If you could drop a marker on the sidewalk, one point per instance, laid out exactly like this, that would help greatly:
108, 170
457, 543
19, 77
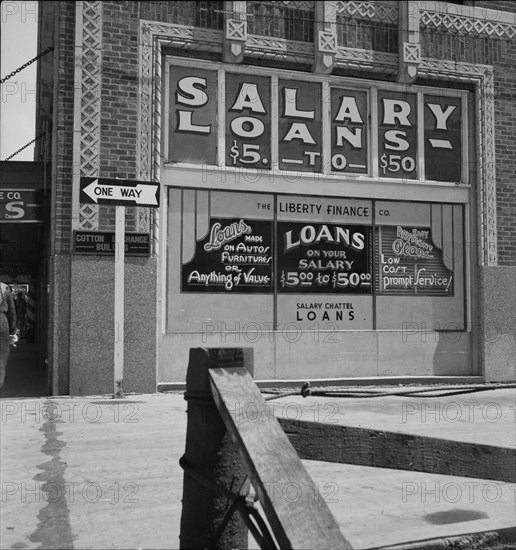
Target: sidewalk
101, 473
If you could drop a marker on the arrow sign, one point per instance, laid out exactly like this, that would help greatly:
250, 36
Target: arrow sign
119, 192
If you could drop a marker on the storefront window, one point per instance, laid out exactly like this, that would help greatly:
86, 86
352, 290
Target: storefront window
277, 259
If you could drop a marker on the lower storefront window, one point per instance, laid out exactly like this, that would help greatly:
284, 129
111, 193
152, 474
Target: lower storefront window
323, 263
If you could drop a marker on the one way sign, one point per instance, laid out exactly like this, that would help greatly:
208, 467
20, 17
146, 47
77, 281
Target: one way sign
119, 192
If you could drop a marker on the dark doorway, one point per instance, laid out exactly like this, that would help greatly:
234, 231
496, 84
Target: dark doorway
24, 251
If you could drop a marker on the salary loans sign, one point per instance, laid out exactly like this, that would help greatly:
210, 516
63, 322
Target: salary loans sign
119, 192
296, 134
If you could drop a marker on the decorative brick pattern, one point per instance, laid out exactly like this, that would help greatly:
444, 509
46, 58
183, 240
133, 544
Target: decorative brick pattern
279, 48
90, 89
374, 11
327, 42
466, 25
366, 60
236, 30
89, 217
91, 70
411, 53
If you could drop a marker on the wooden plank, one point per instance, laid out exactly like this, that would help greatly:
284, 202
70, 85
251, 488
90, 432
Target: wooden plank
296, 511
381, 449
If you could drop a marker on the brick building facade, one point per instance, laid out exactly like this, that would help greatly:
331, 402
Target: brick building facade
127, 78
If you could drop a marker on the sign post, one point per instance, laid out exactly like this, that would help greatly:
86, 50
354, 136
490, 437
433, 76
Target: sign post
120, 193
119, 301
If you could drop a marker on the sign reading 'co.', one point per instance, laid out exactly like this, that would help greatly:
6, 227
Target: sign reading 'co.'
274, 123
21, 205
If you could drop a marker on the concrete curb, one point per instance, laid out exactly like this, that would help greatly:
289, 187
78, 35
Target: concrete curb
493, 540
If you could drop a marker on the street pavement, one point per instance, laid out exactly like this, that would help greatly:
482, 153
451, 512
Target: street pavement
94, 472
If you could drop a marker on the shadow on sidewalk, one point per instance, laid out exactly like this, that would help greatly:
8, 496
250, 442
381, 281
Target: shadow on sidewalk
25, 377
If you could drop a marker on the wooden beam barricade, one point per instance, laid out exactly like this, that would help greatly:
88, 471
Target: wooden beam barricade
381, 449
233, 438
214, 471
301, 521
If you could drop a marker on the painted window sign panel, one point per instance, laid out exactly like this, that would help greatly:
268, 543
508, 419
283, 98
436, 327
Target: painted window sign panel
318, 258
234, 257
397, 135
411, 264
416, 249
324, 263
420, 266
192, 122
443, 138
228, 282
227, 243
300, 126
248, 121
349, 120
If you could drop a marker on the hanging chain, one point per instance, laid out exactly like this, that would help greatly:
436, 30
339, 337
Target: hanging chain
25, 146
10, 75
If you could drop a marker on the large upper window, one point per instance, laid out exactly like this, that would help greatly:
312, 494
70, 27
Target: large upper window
209, 15
289, 20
